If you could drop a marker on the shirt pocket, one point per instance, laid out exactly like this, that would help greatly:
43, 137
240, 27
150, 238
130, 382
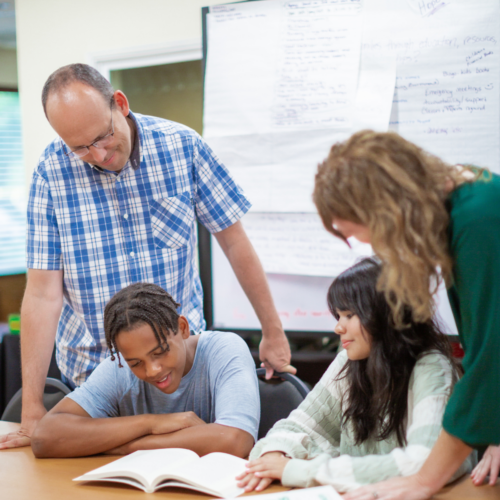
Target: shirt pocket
172, 220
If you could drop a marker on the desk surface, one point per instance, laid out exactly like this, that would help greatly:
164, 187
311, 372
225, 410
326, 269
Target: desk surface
23, 477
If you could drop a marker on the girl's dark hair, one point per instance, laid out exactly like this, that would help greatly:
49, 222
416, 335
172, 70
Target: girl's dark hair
140, 303
376, 399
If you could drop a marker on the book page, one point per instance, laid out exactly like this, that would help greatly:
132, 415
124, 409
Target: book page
216, 472
146, 464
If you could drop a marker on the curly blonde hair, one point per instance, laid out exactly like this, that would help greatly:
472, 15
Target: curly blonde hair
398, 191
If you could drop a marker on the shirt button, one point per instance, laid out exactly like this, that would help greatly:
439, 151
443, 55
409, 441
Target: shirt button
125, 216
132, 254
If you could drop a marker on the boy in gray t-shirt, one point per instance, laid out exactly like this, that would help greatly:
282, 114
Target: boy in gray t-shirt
167, 389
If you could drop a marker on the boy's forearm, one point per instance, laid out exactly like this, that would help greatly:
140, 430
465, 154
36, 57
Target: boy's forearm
64, 435
202, 439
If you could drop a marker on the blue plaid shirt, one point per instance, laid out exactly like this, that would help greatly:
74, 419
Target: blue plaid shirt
108, 230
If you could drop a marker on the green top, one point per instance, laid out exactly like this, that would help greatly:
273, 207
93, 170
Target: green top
473, 411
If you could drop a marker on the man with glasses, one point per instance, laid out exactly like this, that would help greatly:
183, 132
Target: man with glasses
115, 201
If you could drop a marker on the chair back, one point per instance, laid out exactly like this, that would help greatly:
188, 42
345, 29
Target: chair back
55, 390
278, 398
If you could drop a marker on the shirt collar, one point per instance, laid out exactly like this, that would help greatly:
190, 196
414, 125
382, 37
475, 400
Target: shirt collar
135, 156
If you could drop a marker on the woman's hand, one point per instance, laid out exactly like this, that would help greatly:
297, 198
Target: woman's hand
489, 465
261, 472
398, 488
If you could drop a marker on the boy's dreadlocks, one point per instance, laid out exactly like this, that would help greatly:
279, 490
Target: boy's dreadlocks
140, 303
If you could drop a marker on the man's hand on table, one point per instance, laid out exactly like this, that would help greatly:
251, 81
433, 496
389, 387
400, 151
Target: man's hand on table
22, 437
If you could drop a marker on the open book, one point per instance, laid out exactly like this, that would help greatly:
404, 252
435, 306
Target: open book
154, 469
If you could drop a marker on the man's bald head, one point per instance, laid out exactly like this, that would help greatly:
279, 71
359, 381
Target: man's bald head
83, 73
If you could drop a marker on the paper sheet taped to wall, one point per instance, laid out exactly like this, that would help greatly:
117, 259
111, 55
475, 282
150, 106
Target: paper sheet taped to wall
448, 74
299, 244
280, 89
300, 300
281, 76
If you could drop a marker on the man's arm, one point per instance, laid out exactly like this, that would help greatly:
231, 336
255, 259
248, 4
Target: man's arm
69, 431
40, 311
202, 439
274, 348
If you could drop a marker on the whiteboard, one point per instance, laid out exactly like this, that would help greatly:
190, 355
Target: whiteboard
428, 70
300, 301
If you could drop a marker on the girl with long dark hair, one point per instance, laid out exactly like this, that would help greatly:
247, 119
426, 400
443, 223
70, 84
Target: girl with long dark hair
377, 411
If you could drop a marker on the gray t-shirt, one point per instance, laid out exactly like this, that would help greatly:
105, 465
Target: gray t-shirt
220, 388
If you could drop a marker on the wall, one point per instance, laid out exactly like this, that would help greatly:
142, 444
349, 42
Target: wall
52, 33
171, 91
8, 68
11, 287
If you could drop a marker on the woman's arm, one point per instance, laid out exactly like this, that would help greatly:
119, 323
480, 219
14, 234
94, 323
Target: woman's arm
69, 431
445, 458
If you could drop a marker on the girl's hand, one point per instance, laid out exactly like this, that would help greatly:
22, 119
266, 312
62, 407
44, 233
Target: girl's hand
489, 465
261, 472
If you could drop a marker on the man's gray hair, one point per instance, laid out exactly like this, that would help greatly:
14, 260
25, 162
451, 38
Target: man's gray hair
78, 72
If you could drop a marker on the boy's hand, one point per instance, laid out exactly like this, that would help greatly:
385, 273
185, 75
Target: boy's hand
261, 472
171, 422
160, 424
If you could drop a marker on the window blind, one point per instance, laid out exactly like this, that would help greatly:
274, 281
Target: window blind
12, 187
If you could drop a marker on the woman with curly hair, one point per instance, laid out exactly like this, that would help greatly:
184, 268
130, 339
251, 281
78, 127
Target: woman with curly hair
427, 221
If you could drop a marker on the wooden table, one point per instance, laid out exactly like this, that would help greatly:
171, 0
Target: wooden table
24, 477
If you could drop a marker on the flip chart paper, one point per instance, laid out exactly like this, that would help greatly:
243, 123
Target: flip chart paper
268, 122
281, 66
276, 102
446, 99
448, 74
374, 96
299, 244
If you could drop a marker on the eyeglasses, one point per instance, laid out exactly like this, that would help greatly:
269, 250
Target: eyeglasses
100, 144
